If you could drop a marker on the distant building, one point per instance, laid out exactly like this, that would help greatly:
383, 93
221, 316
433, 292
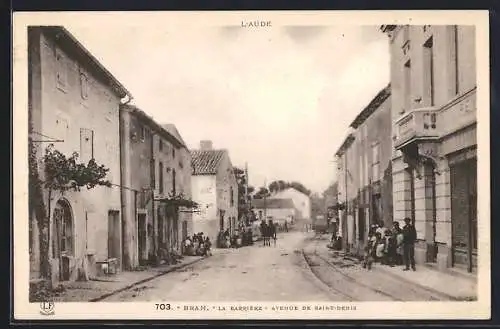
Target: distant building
433, 74
215, 189
364, 163
74, 101
279, 210
301, 201
154, 162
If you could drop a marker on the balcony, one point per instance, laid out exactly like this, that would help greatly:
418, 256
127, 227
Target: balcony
418, 124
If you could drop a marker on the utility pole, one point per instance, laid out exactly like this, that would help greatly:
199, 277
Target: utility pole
247, 201
265, 200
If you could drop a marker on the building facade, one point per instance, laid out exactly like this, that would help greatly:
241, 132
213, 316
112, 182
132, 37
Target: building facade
364, 171
278, 210
433, 74
301, 201
215, 189
74, 105
154, 167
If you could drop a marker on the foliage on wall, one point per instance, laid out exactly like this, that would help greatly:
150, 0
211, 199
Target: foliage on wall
61, 174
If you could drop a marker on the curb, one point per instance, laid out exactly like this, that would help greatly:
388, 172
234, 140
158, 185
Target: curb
160, 273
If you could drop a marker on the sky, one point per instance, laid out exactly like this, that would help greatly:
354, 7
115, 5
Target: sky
280, 99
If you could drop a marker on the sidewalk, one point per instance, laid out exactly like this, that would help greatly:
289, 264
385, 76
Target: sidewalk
455, 287
449, 285
96, 290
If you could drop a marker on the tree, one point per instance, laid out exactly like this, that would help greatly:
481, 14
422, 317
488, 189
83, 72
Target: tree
299, 187
243, 202
61, 174
261, 193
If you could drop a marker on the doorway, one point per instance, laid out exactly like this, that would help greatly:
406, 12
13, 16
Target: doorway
142, 238
463, 181
114, 235
62, 238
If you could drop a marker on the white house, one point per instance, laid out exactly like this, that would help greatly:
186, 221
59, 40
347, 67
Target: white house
215, 189
301, 201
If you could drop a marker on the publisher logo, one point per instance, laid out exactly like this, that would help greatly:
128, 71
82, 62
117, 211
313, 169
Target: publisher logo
47, 308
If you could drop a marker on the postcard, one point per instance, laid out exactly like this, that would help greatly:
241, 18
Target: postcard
251, 165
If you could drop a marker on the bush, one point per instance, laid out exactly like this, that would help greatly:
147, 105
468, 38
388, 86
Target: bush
41, 291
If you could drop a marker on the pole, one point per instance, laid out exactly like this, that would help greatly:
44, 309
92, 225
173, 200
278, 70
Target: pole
345, 207
265, 200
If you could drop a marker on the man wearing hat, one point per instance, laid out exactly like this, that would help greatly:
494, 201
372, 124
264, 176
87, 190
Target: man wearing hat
409, 238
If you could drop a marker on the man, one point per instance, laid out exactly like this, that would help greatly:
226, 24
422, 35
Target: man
263, 231
272, 232
409, 238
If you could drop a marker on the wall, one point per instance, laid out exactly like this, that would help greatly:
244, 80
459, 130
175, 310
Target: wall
225, 181
277, 214
204, 193
301, 201
64, 111
454, 94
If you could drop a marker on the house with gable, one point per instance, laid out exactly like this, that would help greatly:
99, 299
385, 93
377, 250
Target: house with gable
301, 201
215, 189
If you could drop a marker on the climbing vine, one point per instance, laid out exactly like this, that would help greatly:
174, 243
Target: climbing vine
61, 174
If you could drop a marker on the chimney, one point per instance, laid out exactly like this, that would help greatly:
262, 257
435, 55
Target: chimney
206, 145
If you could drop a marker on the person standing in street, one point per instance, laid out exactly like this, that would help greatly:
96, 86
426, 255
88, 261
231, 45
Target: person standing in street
409, 238
263, 231
272, 232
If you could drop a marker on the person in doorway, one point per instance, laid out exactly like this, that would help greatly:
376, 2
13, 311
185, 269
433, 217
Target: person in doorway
409, 238
286, 226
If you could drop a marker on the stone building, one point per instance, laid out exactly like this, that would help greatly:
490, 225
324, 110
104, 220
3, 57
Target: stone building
155, 165
364, 171
74, 104
433, 77
215, 189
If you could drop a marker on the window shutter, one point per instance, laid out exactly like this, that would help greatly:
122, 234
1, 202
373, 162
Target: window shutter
92, 224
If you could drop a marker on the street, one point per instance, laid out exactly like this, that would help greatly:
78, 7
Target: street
299, 268
249, 273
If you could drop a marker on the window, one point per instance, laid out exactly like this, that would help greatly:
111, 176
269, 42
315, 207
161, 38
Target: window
173, 180
84, 86
173, 152
429, 72
143, 131
407, 87
161, 177
61, 71
231, 196
360, 166
86, 145
376, 162
160, 145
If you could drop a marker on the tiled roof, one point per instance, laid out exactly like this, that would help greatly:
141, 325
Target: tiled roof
273, 203
172, 129
206, 162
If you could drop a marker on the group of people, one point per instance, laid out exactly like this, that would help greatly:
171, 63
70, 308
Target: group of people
197, 245
391, 247
268, 232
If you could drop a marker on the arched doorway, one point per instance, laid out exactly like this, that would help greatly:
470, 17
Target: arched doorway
62, 238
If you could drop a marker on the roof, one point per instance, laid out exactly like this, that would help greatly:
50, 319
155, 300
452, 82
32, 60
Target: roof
372, 106
143, 116
206, 162
345, 144
172, 129
65, 38
272, 203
